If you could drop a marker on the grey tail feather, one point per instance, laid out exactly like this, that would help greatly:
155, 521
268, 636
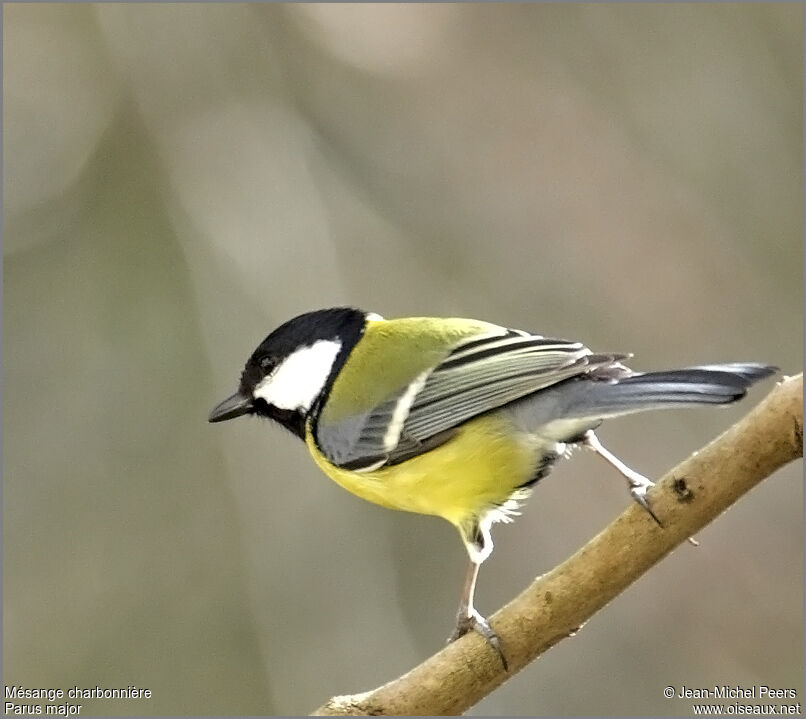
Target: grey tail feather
705, 384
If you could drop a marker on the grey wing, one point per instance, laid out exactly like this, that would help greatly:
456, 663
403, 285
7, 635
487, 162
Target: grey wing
479, 375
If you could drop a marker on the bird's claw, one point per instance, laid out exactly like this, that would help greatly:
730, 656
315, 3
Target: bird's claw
475, 622
638, 491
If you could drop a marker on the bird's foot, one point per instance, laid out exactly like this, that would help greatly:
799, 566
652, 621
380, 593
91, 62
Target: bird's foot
473, 621
639, 486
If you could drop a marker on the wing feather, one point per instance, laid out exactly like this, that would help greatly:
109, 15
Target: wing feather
477, 375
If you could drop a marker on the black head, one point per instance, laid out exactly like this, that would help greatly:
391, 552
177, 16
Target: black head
294, 367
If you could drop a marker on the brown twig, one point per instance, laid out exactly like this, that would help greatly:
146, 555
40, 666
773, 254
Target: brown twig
555, 605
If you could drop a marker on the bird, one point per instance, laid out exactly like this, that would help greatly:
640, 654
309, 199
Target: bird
452, 417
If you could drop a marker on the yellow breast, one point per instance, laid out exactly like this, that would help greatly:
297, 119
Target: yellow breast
476, 469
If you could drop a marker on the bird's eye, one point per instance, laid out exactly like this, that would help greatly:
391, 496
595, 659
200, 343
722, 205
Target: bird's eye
266, 364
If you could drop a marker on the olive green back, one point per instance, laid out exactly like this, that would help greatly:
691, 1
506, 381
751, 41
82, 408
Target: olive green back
389, 356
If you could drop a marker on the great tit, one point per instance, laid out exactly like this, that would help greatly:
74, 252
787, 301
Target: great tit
454, 417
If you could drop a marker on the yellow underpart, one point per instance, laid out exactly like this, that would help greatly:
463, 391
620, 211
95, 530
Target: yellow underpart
475, 470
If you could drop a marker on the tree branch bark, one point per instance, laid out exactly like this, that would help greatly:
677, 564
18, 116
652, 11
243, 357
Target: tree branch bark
556, 604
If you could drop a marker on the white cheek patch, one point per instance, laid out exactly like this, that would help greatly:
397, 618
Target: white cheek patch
297, 382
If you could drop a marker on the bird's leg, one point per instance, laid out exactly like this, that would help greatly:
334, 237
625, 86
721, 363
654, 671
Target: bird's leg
466, 616
468, 619
639, 485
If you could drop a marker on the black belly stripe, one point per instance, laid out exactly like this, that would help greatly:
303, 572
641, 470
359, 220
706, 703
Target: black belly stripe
544, 466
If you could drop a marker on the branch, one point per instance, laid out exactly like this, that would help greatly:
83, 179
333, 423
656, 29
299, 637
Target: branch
557, 604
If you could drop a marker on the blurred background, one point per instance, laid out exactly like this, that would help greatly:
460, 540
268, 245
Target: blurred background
179, 179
